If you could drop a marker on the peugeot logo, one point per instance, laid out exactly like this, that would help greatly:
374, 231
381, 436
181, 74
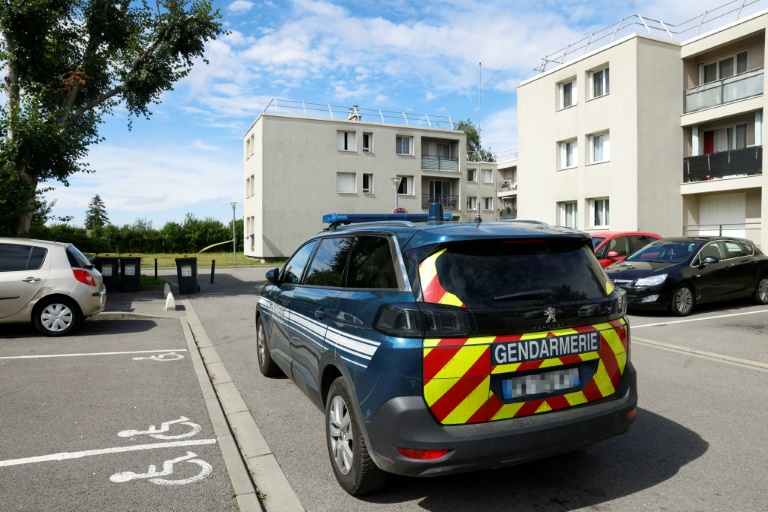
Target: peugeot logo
550, 312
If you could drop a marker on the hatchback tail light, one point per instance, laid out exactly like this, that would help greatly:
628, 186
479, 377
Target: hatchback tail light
84, 276
424, 320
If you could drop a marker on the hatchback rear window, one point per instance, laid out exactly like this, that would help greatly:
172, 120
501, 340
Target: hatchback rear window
77, 259
500, 274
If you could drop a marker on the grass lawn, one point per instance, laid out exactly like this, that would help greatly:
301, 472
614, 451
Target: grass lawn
223, 259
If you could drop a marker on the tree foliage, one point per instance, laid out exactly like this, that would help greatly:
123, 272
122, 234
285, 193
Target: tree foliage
475, 152
67, 64
96, 216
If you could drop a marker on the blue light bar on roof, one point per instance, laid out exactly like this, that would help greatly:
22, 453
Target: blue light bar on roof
354, 218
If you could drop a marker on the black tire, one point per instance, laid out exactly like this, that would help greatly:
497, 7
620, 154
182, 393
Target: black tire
761, 290
682, 301
56, 316
352, 464
267, 366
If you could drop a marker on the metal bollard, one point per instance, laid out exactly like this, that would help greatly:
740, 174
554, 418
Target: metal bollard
213, 269
155, 269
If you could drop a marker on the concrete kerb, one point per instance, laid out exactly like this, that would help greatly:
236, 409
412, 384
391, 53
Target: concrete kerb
273, 486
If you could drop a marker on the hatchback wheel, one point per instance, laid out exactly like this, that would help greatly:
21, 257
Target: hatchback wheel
267, 365
761, 291
682, 300
56, 316
354, 469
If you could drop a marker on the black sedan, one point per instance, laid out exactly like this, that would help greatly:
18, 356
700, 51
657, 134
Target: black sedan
677, 273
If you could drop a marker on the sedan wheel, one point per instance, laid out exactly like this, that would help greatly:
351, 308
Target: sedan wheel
761, 291
682, 300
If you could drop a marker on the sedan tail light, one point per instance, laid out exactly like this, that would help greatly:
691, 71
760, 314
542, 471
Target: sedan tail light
84, 276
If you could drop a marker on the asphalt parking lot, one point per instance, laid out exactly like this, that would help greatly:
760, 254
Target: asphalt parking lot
699, 442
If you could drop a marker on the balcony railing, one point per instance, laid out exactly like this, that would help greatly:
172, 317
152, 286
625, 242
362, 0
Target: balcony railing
733, 88
723, 164
507, 214
507, 186
449, 202
439, 163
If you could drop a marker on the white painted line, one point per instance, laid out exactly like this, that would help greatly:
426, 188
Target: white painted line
104, 451
633, 326
712, 356
96, 354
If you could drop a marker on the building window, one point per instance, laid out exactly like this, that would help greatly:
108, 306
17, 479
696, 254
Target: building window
599, 213
472, 175
567, 93
248, 149
569, 154
404, 145
487, 203
345, 182
567, 214
600, 83
247, 187
487, 176
599, 147
367, 142
444, 150
471, 203
345, 141
253, 143
723, 68
253, 184
724, 139
368, 183
406, 186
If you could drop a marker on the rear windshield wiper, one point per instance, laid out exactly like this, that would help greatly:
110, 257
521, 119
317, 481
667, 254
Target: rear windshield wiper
533, 294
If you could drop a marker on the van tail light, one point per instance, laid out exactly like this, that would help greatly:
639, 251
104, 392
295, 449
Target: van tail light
422, 320
84, 276
422, 454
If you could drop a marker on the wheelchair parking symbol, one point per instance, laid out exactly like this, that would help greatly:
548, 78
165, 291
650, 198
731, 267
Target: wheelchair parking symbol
160, 433
170, 356
155, 476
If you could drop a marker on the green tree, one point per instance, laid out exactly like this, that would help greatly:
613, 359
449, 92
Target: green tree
69, 63
474, 149
96, 216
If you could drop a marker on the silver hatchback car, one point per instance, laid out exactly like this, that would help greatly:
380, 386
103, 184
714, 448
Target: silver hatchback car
51, 284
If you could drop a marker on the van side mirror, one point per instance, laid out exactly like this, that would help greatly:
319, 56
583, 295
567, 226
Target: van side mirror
273, 275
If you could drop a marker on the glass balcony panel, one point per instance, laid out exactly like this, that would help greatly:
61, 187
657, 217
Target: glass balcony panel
719, 92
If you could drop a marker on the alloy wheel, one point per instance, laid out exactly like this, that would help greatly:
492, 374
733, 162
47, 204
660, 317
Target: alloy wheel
762, 290
683, 300
341, 435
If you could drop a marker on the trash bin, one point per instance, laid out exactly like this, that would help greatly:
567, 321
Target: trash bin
107, 265
130, 273
186, 272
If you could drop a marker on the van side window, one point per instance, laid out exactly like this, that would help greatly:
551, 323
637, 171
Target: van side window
327, 267
295, 267
371, 264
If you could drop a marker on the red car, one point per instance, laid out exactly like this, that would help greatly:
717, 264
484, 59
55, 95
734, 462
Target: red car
613, 246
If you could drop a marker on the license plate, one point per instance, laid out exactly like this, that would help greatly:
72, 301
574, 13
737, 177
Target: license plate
540, 383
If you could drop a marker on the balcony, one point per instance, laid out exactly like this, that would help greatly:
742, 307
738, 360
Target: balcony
727, 90
505, 213
439, 163
723, 164
508, 186
449, 202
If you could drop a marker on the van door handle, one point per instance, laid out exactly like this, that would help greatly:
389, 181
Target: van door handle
31, 279
320, 314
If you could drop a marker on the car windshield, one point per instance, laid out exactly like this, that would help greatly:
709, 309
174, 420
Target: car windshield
596, 241
500, 274
666, 252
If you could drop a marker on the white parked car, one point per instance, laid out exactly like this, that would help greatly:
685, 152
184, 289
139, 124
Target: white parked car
50, 284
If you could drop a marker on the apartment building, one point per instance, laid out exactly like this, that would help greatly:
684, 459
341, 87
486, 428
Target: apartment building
304, 160
647, 133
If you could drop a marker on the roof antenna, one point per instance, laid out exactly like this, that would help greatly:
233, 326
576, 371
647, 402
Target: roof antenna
479, 219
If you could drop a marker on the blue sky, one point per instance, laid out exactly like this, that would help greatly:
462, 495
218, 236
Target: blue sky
418, 57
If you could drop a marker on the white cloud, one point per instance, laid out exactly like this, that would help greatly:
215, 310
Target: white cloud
240, 6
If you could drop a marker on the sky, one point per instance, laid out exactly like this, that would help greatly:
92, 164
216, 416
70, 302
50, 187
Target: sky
416, 57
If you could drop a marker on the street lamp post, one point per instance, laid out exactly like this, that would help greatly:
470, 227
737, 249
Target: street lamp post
396, 182
234, 237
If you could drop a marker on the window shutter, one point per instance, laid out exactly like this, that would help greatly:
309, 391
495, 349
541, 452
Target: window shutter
606, 146
340, 141
345, 182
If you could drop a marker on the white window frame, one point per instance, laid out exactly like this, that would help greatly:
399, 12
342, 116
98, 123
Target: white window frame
344, 180
369, 147
406, 186
399, 139
472, 175
253, 184
486, 175
602, 74
253, 144
248, 186
345, 140
601, 206
563, 147
487, 203
599, 141
471, 203
562, 86
369, 189
734, 58
248, 148
563, 214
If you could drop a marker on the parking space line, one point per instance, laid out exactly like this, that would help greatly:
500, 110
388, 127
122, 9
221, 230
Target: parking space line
698, 319
103, 451
712, 356
96, 354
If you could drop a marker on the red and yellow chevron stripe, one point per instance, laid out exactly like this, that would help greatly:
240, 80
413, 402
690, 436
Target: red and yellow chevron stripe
457, 374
